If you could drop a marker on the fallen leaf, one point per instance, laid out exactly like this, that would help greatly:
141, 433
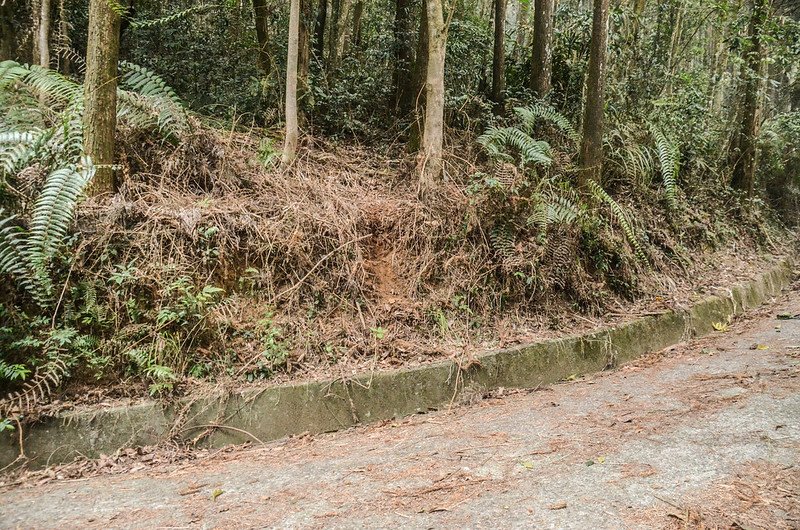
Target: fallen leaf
722, 327
216, 493
527, 464
601, 460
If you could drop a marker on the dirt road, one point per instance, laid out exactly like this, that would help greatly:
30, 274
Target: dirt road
706, 433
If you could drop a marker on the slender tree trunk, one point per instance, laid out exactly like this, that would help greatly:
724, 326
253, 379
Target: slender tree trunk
520, 38
401, 76
358, 14
8, 34
64, 41
418, 77
304, 47
342, 20
542, 62
499, 60
319, 30
100, 93
261, 17
292, 127
43, 36
744, 153
591, 155
430, 168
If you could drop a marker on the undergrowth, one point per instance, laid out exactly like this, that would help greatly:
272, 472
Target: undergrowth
211, 263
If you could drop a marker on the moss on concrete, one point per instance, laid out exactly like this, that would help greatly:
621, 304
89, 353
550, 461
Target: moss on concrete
271, 413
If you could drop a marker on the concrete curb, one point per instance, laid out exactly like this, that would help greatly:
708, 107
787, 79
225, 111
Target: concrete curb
276, 412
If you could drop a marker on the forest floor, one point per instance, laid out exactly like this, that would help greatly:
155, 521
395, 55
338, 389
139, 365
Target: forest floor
705, 434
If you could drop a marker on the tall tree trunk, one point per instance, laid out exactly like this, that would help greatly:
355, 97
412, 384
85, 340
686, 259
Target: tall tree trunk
430, 166
292, 127
304, 47
591, 155
8, 34
418, 77
358, 14
43, 35
261, 17
744, 152
520, 38
401, 76
319, 30
342, 19
100, 93
542, 62
499, 59
64, 42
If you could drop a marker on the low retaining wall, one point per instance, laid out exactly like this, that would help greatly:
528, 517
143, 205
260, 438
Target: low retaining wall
271, 413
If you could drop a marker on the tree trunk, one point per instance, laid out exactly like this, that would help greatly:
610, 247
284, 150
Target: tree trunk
499, 60
418, 76
64, 42
43, 36
261, 17
401, 76
542, 62
304, 46
430, 165
319, 30
8, 34
342, 18
100, 93
591, 155
744, 146
520, 37
358, 14
292, 128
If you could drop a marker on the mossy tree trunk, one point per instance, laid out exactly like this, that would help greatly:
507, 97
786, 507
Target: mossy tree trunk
744, 152
292, 127
100, 93
499, 57
261, 18
430, 162
542, 58
401, 75
591, 154
418, 77
8, 34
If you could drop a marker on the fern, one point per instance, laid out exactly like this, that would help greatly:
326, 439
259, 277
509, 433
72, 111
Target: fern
530, 151
529, 115
139, 24
46, 379
43, 82
619, 214
669, 158
26, 254
151, 96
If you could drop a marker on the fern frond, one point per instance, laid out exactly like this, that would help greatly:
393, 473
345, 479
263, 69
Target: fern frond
42, 81
619, 214
561, 210
669, 158
154, 101
529, 115
54, 209
139, 24
530, 151
44, 382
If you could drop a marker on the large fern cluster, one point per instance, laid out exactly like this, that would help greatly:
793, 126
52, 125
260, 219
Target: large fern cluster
42, 134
